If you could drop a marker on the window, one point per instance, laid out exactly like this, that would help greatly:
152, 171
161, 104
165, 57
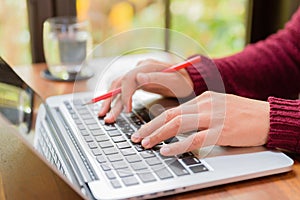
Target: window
218, 25
14, 32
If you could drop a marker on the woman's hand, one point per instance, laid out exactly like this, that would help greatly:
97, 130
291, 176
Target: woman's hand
146, 76
216, 119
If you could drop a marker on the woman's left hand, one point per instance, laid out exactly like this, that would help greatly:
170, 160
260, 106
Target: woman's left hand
215, 118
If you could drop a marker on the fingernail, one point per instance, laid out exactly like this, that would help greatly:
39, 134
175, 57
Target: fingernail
107, 117
142, 78
145, 142
165, 150
135, 137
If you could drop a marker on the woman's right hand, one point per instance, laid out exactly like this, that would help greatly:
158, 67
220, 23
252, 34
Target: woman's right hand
147, 76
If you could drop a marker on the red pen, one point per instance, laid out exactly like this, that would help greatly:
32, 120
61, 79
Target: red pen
170, 69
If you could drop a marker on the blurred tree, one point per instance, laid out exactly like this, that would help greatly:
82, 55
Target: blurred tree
14, 32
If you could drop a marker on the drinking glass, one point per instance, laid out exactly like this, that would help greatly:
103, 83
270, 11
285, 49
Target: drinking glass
67, 42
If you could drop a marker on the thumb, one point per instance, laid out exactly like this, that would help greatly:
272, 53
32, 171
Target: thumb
162, 83
160, 78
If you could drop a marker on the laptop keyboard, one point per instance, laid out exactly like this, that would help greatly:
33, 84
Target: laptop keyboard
126, 163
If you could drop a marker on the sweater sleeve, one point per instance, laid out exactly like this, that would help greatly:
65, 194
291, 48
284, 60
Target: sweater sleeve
266, 68
284, 124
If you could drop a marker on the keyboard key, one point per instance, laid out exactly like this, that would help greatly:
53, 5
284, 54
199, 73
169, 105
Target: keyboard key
143, 112
125, 172
77, 121
115, 183
105, 144
129, 181
97, 132
90, 121
105, 167
101, 120
86, 116
74, 116
80, 126
101, 159
93, 126
120, 165
110, 174
157, 147
146, 177
128, 151
92, 145
123, 145
177, 167
138, 165
96, 151
101, 138
115, 157
165, 157
83, 111
109, 127
121, 121
153, 161
111, 150
114, 133
119, 139
128, 135
198, 168
88, 138
127, 129
138, 124
133, 158
84, 132
171, 140
147, 154
139, 147
190, 161
67, 104
162, 172
186, 155
133, 117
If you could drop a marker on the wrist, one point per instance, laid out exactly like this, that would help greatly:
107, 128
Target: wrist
284, 124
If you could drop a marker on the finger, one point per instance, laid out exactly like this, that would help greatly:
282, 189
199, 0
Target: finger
154, 124
114, 112
105, 107
129, 82
166, 117
180, 124
106, 104
199, 139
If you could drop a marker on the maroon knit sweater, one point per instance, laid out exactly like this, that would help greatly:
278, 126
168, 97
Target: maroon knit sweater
267, 70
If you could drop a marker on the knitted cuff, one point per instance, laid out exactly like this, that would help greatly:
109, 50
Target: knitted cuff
205, 76
284, 124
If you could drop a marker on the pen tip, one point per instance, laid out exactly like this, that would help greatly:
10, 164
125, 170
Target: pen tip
87, 103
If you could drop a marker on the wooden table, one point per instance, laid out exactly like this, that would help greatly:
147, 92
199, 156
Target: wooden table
281, 186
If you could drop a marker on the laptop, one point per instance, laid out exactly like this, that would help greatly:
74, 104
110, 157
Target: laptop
101, 162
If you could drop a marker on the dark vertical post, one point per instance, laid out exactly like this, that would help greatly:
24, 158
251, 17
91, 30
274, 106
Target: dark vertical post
167, 24
38, 12
267, 16
65, 7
